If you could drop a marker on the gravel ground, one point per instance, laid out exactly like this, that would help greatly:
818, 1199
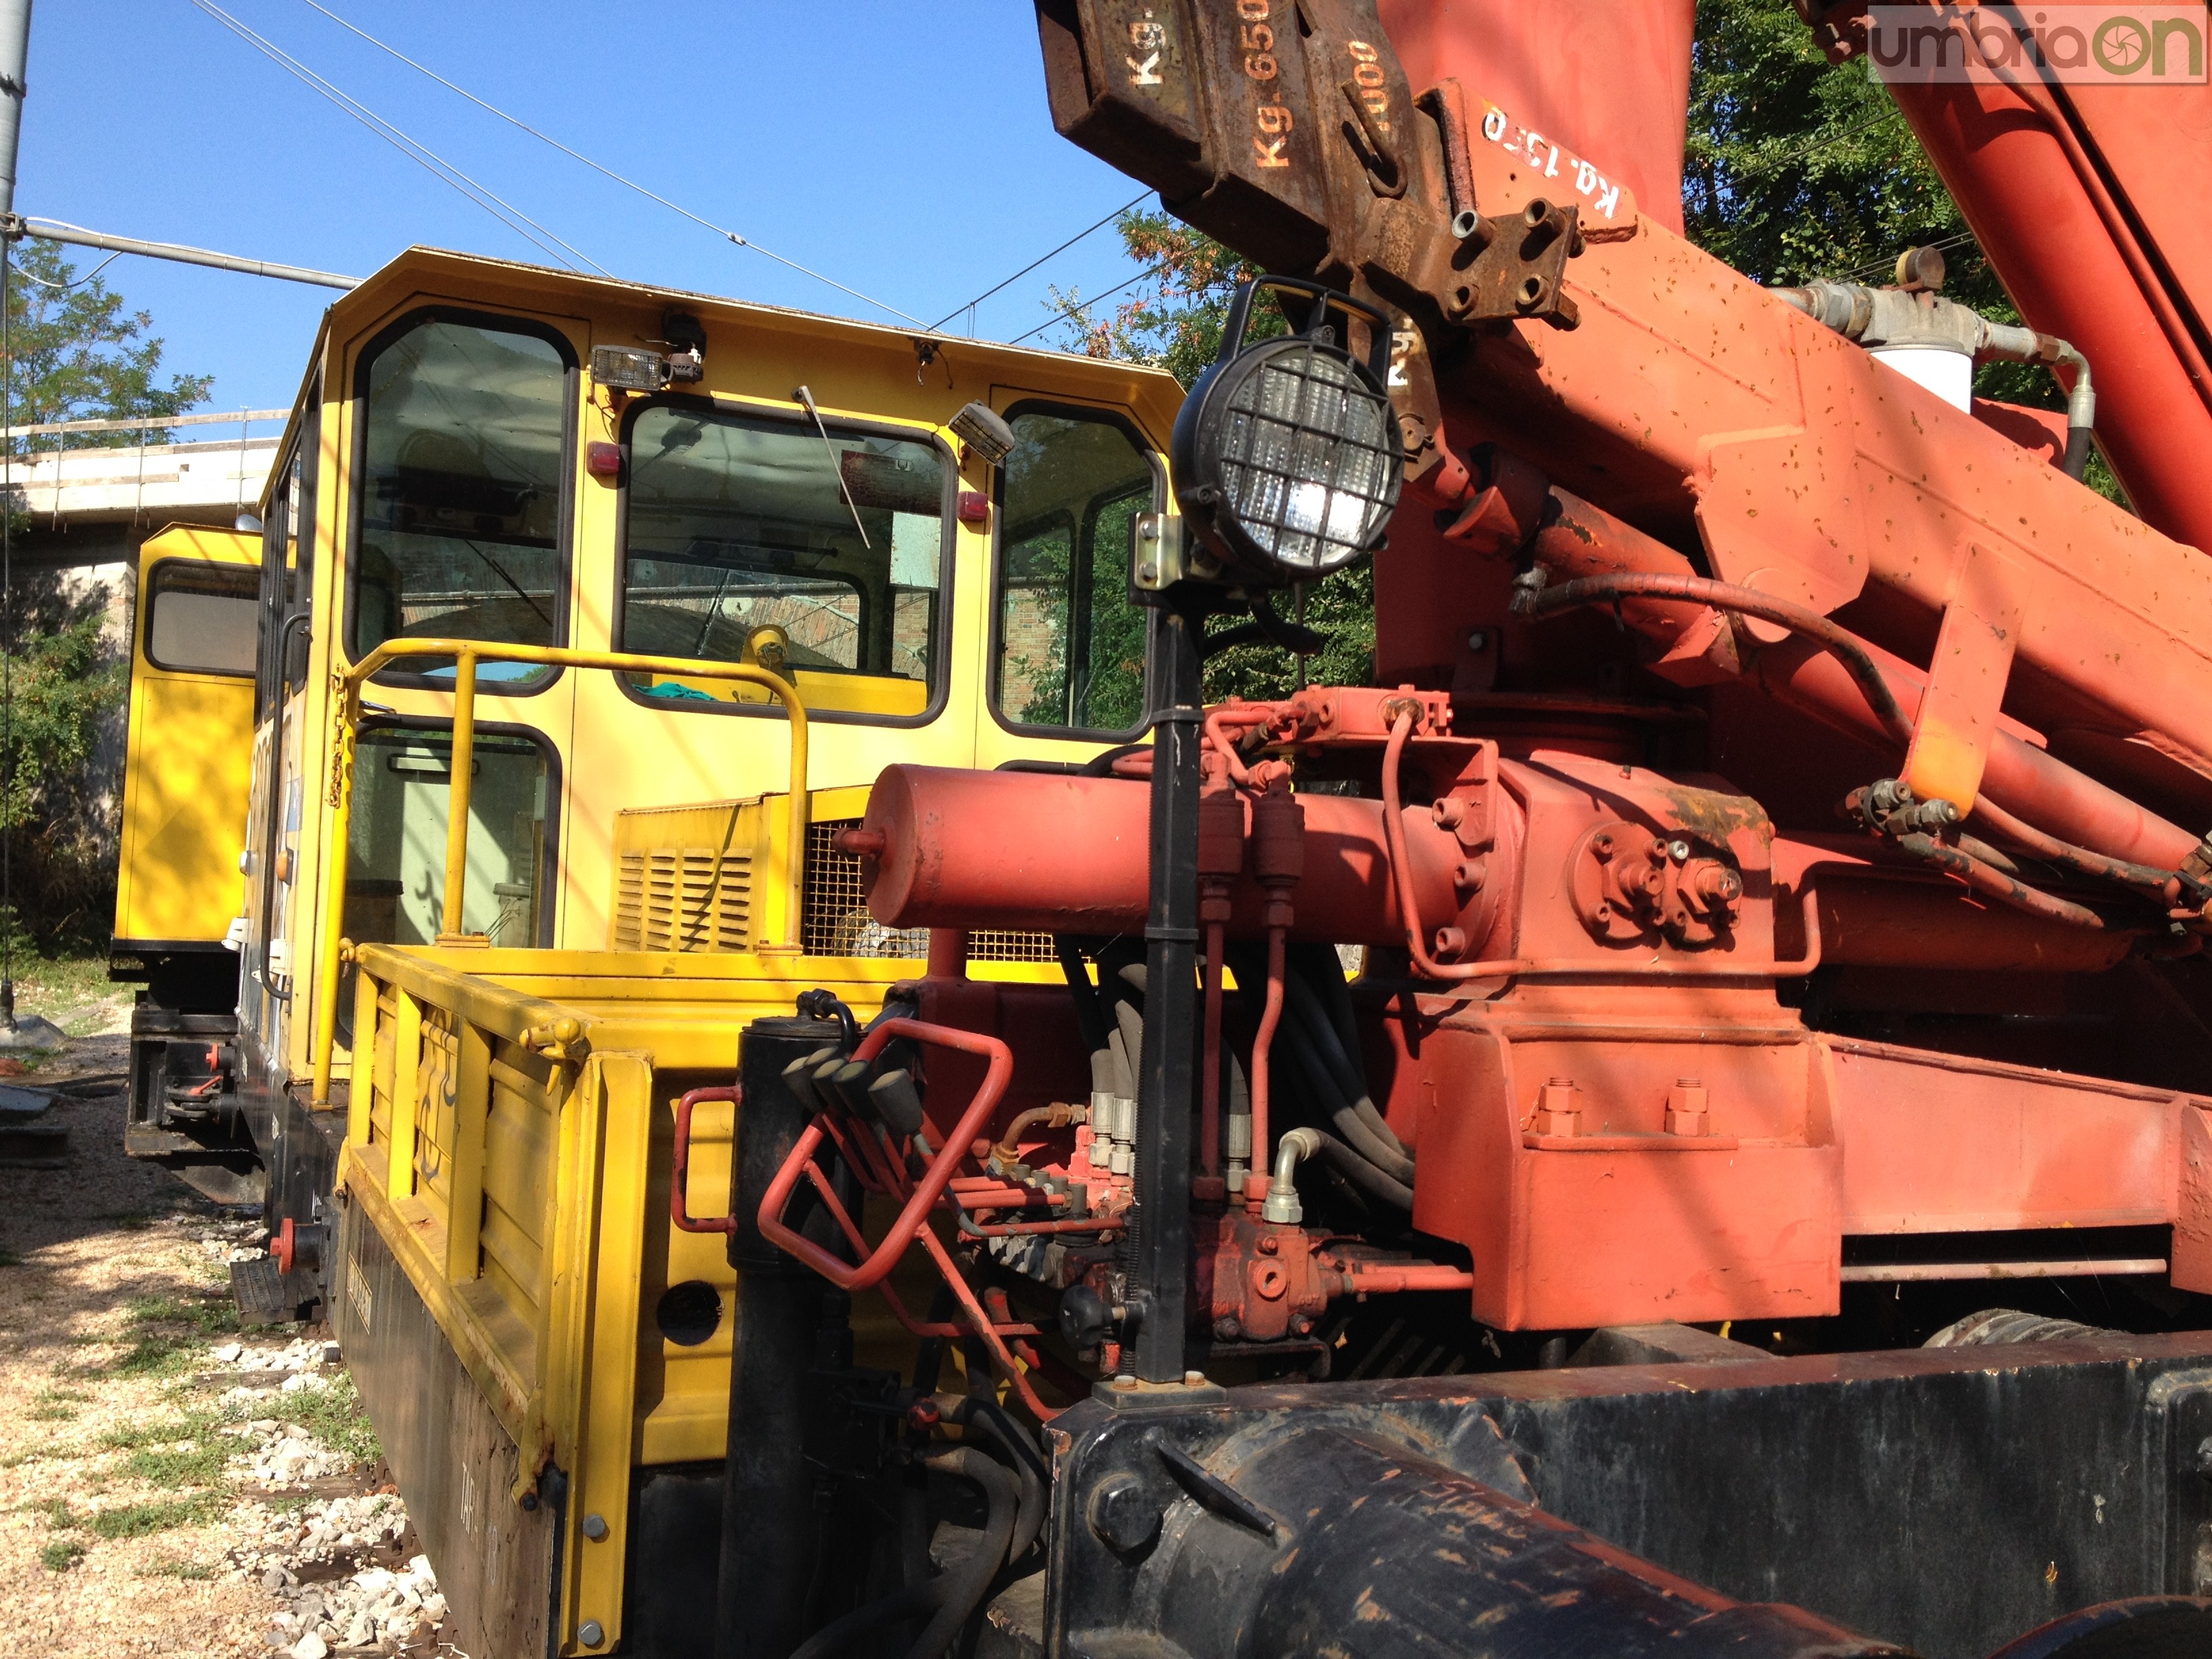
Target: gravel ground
169, 1484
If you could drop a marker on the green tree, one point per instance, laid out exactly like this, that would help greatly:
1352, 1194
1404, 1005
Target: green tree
1797, 169
1175, 322
79, 353
82, 355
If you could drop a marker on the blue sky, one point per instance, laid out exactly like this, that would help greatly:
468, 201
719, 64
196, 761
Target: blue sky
904, 149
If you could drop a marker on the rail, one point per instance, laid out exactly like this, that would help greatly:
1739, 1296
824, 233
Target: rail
466, 654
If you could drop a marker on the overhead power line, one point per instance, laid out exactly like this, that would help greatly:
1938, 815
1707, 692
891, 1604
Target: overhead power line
1067, 311
722, 231
1033, 264
506, 212
677, 207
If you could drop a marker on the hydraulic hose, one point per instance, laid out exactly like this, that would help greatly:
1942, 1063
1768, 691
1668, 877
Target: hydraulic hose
1995, 884
1363, 1174
1322, 1032
2080, 859
1029, 1473
952, 1598
1838, 642
1357, 1136
966, 1584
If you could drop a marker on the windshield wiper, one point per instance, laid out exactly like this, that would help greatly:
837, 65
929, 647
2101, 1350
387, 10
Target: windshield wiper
806, 401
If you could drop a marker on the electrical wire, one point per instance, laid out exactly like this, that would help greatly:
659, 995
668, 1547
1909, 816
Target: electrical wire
64, 288
722, 231
1032, 264
678, 209
505, 211
1766, 163
1067, 309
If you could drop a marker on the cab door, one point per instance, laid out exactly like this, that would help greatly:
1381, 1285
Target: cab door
1067, 654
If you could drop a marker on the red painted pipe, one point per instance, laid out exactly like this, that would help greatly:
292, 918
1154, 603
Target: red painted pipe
1048, 853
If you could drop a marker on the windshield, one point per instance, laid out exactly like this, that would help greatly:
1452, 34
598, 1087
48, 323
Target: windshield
759, 541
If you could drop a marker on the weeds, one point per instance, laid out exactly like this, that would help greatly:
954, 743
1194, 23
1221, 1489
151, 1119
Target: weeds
196, 1463
152, 1356
194, 1569
10, 1259
131, 1436
60, 1555
333, 1416
142, 1520
56, 1512
52, 1411
212, 1315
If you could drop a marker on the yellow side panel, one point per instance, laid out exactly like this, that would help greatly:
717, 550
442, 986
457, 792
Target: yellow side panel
186, 776
184, 820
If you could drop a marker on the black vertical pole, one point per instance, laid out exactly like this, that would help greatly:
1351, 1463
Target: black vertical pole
1159, 1260
768, 1548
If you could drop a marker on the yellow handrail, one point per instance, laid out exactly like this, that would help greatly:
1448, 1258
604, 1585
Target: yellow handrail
466, 653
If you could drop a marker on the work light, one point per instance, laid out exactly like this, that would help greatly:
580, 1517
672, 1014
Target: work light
1286, 453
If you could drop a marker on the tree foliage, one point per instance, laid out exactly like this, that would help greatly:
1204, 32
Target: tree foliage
82, 355
1175, 321
79, 353
1796, 168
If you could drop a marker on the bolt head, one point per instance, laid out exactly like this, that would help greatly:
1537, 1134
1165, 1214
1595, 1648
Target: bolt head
1269, 1244
595, 1526
1226, 1329
1479, 641
1678, 850
1148, 573
590, 1633
1122, 1516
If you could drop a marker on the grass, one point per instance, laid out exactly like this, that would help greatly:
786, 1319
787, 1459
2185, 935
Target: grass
333, 1416
212, 1314
154, 1356
54, 985
60, 1555
194, 1569
10, 1259
199, 1465
143, 1520
174, 1452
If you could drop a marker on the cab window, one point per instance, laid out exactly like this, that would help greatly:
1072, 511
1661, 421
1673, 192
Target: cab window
1069, 645
396, 873
463, 477
203, 619
756, 540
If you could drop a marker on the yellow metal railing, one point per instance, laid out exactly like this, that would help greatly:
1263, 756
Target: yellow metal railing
466, 654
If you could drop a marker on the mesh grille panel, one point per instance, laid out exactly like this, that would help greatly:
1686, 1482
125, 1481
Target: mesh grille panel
836, 922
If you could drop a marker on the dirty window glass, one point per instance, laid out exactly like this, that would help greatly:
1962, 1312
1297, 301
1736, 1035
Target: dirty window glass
461, 488
1071, 645
201, 620
749, 540
396, 875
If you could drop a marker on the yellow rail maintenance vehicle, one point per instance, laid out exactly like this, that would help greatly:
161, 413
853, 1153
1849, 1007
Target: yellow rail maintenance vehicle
581, 617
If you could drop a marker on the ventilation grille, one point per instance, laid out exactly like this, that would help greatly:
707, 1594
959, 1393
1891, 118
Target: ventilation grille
683, 899
836, 922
